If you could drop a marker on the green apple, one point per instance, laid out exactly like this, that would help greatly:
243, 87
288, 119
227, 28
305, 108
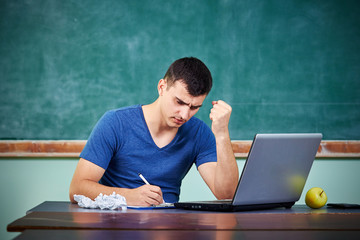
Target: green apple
316, 198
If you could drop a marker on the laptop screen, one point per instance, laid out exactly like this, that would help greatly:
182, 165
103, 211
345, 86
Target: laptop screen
276, 168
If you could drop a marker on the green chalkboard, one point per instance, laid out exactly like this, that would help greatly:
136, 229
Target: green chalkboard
284, 66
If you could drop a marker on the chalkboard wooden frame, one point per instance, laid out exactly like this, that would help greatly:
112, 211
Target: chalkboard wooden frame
72, 149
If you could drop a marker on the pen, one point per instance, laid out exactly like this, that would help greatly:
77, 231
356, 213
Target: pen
146, 182
142, 177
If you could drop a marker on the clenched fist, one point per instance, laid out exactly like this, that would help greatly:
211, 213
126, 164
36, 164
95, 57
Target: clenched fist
220, 116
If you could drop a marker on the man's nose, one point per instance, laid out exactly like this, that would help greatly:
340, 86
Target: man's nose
185, 112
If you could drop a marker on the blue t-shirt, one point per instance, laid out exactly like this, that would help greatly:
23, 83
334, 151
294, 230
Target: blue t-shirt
121, 144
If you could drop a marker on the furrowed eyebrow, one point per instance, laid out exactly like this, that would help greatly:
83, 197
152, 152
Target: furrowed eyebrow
184, 103
181, 101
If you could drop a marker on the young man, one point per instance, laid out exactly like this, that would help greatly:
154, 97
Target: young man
161, 141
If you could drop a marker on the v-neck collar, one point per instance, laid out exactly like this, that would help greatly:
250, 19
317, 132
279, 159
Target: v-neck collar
149, 134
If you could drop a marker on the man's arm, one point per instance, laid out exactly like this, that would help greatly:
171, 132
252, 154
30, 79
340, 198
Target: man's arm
221, 176
85, 182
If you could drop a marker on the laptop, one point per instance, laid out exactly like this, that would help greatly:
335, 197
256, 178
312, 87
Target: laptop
273, 176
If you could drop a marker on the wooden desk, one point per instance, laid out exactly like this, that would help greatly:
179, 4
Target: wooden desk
188, 234
67, 216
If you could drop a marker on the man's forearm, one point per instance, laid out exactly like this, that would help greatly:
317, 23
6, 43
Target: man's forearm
227, 172
144, 195
92, 189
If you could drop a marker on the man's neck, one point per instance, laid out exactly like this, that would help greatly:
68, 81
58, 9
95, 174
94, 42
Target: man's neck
161, 133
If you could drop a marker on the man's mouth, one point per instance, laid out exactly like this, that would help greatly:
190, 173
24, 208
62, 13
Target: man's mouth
179, 120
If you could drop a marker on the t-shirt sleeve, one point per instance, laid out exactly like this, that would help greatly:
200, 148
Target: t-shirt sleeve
206, 145
102, 142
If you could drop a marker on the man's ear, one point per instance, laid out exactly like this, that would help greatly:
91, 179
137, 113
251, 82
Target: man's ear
162, 85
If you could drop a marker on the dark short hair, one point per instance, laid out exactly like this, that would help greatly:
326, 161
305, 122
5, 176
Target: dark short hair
193, 73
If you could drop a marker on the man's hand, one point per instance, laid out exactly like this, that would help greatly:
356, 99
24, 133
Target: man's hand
145, 195
220, 116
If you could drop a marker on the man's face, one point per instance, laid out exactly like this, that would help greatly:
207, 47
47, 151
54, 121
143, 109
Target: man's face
178, 106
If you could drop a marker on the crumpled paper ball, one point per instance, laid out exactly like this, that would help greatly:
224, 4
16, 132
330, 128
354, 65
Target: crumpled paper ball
103, 201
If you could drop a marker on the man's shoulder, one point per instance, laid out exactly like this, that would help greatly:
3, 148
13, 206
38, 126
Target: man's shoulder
199, 134
195, 126
194, 121
124, 111
123, 114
